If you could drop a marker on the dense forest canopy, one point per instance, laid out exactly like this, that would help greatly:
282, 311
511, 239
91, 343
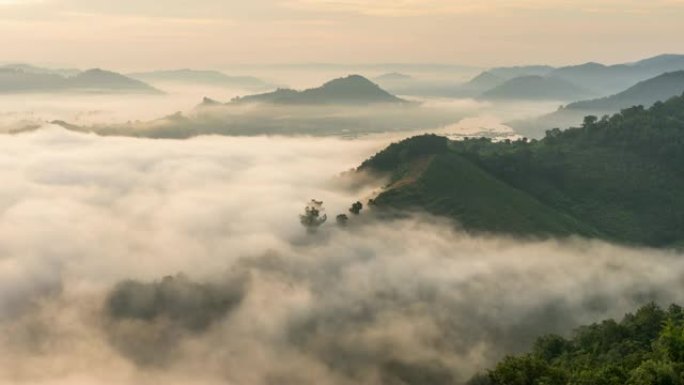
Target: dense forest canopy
645, 348
616, 177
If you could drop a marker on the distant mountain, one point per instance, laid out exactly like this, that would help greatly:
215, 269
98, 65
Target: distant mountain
212, 78
95, 80
488, 80
353, 89
645, 93
15, 80
662, 63
618, 179
348, 107
606, 80
393, 77
594, 79
536, 88
508, 73
600, 78
28, 68
485, 81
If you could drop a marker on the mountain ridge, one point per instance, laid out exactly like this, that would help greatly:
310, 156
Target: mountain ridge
20, 79
353, 89
554, 186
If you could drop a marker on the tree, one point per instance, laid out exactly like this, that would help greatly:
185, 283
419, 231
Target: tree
654, 373
589, 121
342, 220
356, 208
313, 216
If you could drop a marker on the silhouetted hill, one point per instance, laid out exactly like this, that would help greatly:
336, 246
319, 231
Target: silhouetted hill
662, 63
509, 73
31, 80
495, 77
606, 80
619, 179
353, 89
97, 79
28, 68
602, 79
646, 93
485, 81
213, 78
536, 88
15, 80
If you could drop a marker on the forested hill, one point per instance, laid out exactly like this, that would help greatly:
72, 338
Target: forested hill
620, 178
645, 348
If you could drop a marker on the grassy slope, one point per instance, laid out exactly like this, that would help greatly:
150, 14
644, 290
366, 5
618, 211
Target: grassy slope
619, 179
453, 186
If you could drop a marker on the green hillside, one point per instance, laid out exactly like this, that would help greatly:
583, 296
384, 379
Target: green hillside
618, 178
645, 348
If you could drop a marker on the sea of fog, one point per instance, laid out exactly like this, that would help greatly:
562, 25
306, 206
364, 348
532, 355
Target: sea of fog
362, 304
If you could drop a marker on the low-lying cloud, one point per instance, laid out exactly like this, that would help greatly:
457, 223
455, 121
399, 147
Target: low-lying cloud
127, 261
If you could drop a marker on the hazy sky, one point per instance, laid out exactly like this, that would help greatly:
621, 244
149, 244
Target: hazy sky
138, 34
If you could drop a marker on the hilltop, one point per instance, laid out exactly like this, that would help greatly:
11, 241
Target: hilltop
618, 178
353, 89
24, 78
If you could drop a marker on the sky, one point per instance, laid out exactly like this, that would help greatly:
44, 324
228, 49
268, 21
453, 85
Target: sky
150, 34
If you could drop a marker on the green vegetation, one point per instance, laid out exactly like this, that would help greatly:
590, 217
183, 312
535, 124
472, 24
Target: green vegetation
645, 348
618, 178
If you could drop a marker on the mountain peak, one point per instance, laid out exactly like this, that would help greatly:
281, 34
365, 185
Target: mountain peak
352, 89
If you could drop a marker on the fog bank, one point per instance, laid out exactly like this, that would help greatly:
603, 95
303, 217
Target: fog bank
128, 261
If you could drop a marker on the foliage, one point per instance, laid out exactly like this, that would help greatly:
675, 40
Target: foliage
618, 178
342, 220
313, 216
356, 208
645, 348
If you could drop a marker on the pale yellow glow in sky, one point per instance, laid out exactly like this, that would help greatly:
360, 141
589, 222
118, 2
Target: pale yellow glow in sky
139, 34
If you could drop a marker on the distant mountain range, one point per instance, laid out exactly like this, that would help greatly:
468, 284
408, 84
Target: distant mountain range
534, 87
347, 106
645, 93
618, 179
26, 78
351, 90
588, 79
393, 77
599, 78
29, 68
507, 73
198, 77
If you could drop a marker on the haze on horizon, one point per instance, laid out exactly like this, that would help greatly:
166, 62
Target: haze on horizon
149, 34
